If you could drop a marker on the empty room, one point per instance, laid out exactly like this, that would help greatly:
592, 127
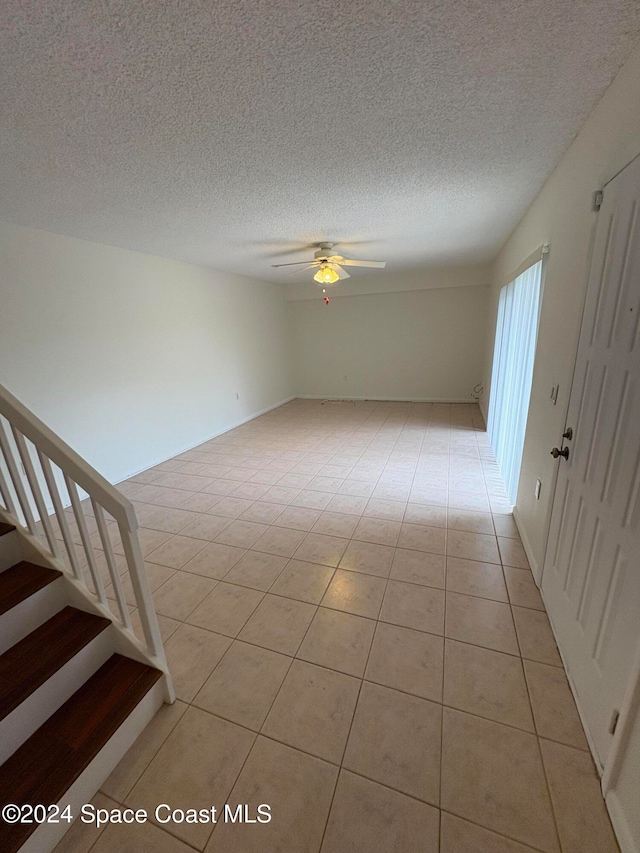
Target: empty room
319, 426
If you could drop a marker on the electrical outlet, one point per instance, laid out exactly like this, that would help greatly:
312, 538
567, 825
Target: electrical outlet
536, 491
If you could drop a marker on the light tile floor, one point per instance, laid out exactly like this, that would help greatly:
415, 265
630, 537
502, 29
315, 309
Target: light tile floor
357, 641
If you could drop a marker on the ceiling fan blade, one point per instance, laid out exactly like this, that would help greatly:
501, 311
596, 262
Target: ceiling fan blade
280, 249
294, 264
341, 273
374, 264
304, 269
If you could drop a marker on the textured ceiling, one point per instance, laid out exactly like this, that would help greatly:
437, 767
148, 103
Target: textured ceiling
235, 133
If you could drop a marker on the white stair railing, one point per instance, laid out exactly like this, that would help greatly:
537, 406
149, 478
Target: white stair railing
40, 478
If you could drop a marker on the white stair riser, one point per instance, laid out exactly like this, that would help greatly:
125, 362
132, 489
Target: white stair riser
18, 726
45, 838
25, 617
10, 552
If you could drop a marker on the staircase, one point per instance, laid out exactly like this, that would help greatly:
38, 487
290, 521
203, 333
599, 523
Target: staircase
79, 679
69, 706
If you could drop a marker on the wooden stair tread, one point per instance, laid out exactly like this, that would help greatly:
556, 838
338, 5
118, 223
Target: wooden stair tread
26, 666
6, 528
47, 764
21, 581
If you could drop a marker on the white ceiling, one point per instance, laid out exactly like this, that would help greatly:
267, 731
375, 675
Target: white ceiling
233, 132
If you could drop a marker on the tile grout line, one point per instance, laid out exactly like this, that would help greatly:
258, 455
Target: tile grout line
444, 648
355, 710
339, 443
258, 734
526, 683
538, 744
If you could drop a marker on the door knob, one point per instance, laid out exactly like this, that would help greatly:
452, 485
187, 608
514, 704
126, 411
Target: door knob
568, 434
564, 452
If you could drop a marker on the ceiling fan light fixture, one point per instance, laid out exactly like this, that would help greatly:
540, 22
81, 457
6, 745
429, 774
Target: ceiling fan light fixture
329, 266
326, 275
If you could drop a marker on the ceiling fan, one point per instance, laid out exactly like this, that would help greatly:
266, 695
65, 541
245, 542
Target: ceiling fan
330, 265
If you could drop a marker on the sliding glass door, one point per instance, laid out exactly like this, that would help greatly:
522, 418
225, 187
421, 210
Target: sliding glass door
514, 351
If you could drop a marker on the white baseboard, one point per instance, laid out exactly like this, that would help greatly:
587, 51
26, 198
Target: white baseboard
245, 421
388, 399
208, 438
576, 698
536, 570
183, 449
620, 824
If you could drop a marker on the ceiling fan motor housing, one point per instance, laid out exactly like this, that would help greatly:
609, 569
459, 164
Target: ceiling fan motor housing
323, 252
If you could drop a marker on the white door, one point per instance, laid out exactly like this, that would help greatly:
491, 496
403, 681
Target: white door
591, 578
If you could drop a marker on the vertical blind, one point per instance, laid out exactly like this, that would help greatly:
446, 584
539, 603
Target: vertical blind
513, 355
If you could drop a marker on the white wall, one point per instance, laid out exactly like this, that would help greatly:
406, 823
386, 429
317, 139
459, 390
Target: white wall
362, 282
561, 215
416, 344
132, 358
